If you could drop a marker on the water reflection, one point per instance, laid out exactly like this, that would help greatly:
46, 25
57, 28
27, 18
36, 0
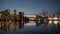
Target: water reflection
11, 25
16, 26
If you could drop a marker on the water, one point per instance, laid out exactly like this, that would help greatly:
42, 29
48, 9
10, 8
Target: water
31, 29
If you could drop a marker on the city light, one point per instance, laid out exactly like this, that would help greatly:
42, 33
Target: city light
56, 20
21, 20
50, 22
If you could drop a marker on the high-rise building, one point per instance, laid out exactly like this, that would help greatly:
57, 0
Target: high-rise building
21, 17
0, 14
21, 14
7, 12
14, 12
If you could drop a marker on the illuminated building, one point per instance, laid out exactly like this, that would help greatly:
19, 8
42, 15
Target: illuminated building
0, 14
14, 12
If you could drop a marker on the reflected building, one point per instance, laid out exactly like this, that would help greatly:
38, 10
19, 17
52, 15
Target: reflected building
21, 17
39, 20
42, 18
7, 19
15, 19
26, 20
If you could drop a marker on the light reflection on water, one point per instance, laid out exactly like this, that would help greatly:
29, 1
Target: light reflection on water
14, 27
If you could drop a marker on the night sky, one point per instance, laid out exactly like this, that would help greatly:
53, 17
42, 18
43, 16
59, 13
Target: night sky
31, 6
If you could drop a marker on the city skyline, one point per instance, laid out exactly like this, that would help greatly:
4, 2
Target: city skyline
30, 6
29, 16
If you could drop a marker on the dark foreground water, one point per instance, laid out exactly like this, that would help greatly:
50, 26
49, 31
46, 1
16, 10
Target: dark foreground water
33, 30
